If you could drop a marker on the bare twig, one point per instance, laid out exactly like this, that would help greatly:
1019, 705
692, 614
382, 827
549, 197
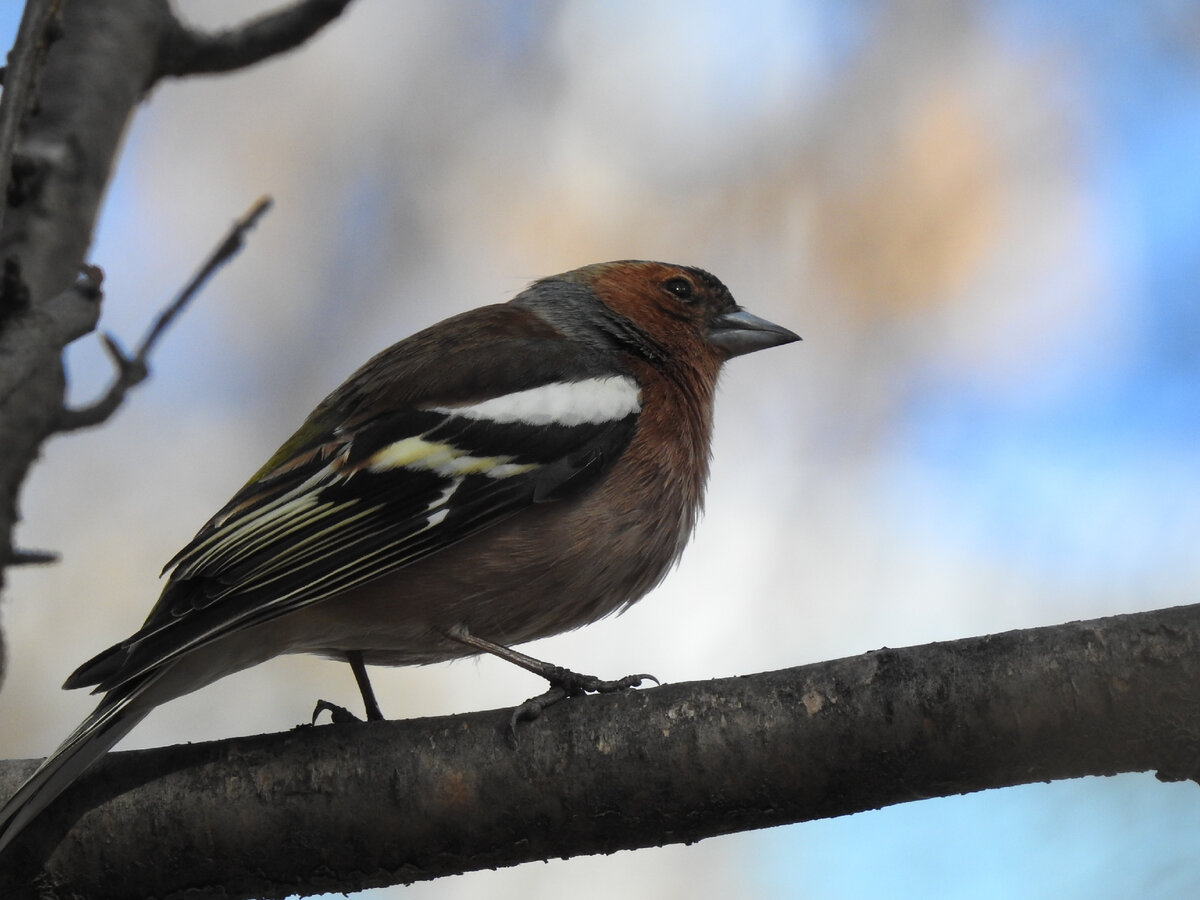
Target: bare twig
133, 370
184, 51
27, 56
31, 558
225, 251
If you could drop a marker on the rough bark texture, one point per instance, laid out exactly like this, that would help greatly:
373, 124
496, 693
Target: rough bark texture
94, 74
351, 806
97, 60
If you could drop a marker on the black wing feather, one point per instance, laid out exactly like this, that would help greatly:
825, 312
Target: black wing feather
335, 521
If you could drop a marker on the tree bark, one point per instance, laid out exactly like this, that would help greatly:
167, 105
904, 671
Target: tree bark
94, 74
98, 58
348, 807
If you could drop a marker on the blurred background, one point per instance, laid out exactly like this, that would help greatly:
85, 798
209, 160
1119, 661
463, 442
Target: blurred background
983, 217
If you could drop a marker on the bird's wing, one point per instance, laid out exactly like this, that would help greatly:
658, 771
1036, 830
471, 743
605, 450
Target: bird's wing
341, 506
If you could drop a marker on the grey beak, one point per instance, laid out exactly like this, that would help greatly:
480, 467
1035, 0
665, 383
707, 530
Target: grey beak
740, 332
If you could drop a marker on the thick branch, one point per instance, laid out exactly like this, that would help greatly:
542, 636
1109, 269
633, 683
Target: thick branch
350, 806
92, 79
28, 55
67, 125
189, 52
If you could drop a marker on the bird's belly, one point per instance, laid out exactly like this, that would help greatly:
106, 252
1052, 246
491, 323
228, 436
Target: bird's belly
527, 578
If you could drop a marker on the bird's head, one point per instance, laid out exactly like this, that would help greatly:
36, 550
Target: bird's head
657, 311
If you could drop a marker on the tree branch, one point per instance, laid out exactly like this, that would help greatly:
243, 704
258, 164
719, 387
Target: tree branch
189, 52
67, 142
65, 125
132, 371
352, 806
20, 557
34, 36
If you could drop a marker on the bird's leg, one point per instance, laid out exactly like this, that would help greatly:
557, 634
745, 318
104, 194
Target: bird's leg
340, 714
563, 682
359, 668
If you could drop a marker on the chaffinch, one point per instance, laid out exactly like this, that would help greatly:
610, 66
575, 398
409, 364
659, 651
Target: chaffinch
510, 473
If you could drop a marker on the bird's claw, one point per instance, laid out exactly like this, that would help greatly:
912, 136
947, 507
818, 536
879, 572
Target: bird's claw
596, 686
576, 683
338, 715
532, 708
563, 684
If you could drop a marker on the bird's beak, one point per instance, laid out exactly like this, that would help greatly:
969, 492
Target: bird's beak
741, 332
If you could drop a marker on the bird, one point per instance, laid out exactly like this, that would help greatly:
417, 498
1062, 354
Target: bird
512, 472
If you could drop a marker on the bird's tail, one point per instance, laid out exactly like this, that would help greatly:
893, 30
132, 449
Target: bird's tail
116, 715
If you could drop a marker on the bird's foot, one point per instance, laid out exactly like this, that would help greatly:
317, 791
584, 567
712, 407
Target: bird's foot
339, 715
563, 684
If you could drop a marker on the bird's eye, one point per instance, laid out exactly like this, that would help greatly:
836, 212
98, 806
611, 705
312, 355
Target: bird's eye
681, 288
